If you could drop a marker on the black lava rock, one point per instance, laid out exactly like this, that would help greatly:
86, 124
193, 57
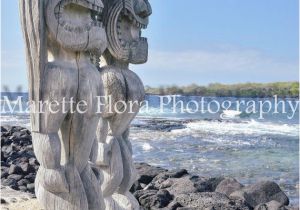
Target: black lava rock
16, 177
261, 192
18, 162
23, 182
157, 188
147, 172
15, 169
150, 199
10, 183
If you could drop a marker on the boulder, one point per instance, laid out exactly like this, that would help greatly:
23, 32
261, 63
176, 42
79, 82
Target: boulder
4, 164
207, 184
30, 177
3, 129
4, 174
11, 183
210, 200
135, 187
15, 169
147, 172
183, 185
161, 180
23, 182
11, 148
151, 199
4, 171
228, 186
16, 177
261, 192
190, 184
171, 174
27, 168
21, 160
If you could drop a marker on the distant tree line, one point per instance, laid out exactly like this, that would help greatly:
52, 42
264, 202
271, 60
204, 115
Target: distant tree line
281, 89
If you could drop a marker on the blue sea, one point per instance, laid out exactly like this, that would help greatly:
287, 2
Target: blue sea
244, 146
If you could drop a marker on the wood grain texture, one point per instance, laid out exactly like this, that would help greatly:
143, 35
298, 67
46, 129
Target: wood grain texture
63, 139
119, 174
123, 20
82, 169
31, 14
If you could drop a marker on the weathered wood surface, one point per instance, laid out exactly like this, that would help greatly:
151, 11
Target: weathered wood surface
82, 169
123, 22
67, 32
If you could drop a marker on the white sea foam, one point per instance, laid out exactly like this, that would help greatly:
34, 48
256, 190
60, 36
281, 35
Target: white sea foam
247, 127
147, 147
15, 120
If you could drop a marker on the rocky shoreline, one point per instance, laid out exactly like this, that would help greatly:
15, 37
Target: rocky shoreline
157, 188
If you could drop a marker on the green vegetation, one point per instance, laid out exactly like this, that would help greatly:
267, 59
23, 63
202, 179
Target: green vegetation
281, 89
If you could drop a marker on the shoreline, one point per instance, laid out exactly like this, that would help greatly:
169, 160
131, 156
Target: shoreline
157, 188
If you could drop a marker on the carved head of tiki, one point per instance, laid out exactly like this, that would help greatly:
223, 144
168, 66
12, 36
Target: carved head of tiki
124, 21
77, 24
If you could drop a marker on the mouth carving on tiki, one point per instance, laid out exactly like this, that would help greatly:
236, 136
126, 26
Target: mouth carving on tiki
125, 22
77, 24
79, 15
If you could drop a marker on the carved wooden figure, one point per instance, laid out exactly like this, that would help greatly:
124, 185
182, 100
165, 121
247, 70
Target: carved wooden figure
60, 35
124, 21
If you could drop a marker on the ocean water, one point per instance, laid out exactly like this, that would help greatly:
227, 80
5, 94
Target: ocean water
245, 146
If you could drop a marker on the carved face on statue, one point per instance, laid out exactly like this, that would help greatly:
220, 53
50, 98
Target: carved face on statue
124, 22
77, 24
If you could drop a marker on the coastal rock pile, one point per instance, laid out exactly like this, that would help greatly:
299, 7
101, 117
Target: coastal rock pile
18, 162
180, 190
156, 188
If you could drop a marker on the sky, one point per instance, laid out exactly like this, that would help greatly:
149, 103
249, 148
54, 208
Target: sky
194, 41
